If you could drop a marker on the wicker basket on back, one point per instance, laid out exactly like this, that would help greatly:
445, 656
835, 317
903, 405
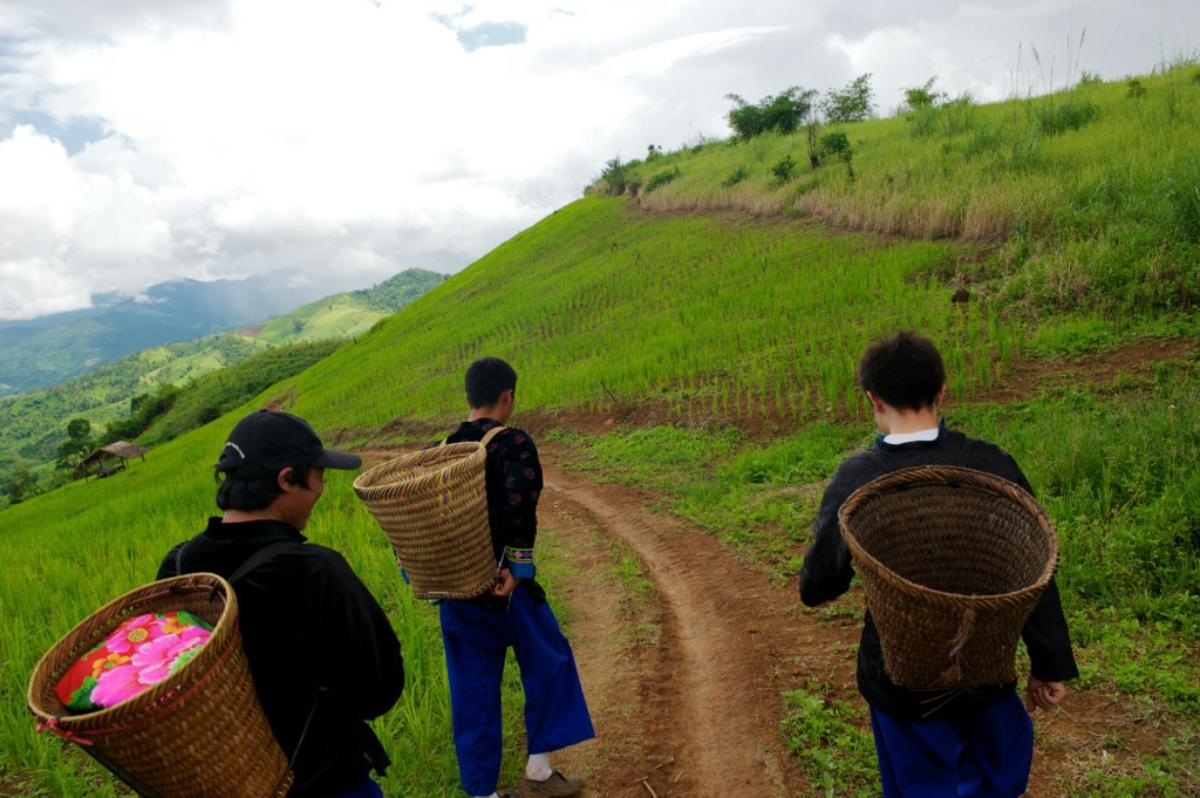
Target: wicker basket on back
953, 561
200, 732
432, 505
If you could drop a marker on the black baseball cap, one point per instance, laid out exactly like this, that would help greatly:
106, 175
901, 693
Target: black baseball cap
268, 440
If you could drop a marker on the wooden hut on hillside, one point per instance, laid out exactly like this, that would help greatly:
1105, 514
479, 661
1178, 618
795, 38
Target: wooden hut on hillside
108, 460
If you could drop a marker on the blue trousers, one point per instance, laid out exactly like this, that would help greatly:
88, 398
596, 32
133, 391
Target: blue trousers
476, 639
986, 757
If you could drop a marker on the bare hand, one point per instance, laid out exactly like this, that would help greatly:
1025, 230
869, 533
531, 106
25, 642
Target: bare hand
506, 585
1043, 695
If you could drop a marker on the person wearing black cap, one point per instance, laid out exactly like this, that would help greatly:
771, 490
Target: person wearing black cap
322, 653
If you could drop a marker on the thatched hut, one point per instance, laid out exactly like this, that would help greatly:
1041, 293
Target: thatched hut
108, 460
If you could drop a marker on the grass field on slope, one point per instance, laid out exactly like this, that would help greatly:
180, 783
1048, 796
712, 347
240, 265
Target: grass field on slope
601, 304
1094, 191
338, 316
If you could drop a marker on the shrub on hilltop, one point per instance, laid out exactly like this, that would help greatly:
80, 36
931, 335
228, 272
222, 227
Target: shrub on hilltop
782, 113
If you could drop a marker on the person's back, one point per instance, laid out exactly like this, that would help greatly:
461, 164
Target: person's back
478, 632
321, 651
975, 742
827, 573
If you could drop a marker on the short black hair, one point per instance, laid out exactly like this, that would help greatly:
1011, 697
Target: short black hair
487, 378
255, 493
904, 370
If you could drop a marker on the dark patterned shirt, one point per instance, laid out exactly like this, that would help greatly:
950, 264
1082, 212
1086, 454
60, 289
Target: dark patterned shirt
514, 483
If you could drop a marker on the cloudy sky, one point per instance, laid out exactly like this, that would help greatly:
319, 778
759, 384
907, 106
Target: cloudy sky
339, 141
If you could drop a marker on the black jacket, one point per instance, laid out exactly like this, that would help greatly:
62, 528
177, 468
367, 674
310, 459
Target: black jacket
827, 572
514, 484
317, 642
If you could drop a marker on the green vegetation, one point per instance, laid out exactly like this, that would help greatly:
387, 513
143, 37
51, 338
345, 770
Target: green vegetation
607, 307
209, 397
44, 351
854, 102
783, 113
122, 399
398, 290
1088, 196
350, 314
828, 739
33, 426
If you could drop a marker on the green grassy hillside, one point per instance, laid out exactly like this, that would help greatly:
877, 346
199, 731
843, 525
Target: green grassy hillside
1091, 192
213, 395
349, 314
33, 425
737, 335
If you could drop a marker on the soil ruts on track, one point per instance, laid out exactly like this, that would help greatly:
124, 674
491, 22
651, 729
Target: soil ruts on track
708, 701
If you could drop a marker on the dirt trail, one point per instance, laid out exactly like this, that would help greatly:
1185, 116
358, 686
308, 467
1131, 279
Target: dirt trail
707, 703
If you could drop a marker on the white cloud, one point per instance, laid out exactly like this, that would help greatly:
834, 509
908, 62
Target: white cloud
341, 140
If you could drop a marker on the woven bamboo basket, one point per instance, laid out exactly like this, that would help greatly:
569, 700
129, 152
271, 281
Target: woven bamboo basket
432, 505
953, 562
201, 732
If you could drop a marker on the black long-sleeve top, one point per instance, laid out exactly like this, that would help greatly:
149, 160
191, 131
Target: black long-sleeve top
514, 484
828, 569
314, 636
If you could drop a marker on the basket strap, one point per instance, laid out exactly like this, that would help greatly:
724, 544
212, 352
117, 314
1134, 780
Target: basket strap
258, 558
964, 453
493, 432
887, 469
487, 438
179, 558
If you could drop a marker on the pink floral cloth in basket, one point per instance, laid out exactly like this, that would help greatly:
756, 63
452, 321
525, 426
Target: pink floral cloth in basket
139, 653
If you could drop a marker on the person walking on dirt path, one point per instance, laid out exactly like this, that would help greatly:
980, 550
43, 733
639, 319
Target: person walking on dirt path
477, 632
979, 743
322, 653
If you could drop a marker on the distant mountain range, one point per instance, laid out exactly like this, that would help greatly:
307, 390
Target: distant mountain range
34, 423
41, 352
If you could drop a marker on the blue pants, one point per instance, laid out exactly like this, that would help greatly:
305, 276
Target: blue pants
985, 757
476, 639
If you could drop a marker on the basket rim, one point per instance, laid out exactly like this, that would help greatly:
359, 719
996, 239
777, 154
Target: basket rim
224, 634
367, 486
949, 476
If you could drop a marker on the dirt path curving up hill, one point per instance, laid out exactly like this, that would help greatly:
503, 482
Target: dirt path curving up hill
699, 713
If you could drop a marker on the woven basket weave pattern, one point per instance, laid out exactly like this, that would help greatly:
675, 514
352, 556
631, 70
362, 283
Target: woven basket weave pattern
200, 733
952, 563
432, 505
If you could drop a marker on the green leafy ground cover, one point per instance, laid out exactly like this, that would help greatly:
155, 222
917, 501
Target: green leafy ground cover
713, 321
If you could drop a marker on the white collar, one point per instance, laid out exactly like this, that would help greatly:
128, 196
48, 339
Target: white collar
895, 439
